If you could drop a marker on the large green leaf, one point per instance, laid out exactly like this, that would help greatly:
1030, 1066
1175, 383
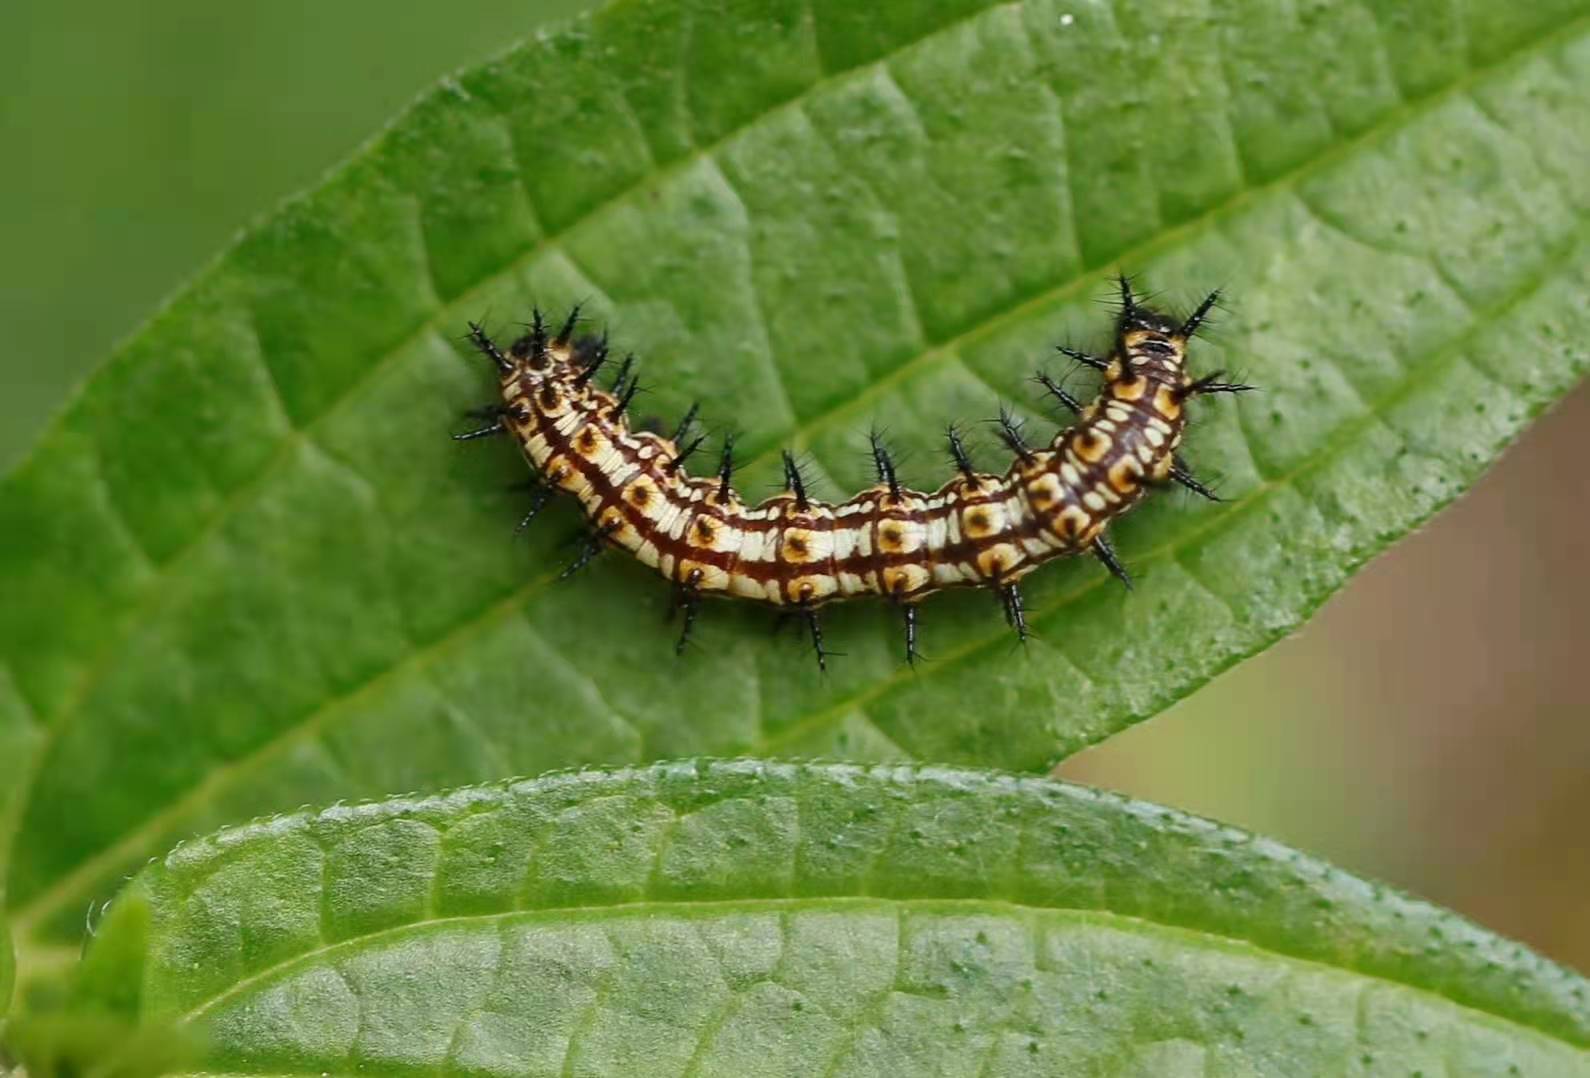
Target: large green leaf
749, 918
246, 570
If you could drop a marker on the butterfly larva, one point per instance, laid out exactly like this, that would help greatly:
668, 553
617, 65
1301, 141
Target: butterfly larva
798, 553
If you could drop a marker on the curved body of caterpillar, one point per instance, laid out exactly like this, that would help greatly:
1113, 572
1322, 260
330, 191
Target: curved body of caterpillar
792, 551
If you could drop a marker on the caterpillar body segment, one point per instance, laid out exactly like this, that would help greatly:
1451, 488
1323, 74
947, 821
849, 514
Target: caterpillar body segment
796, 552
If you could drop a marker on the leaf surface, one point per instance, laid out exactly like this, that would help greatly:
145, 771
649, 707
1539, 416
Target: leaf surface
742, 917
246, 570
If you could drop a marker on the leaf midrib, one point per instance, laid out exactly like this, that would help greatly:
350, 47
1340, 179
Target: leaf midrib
1193, 935
39, 908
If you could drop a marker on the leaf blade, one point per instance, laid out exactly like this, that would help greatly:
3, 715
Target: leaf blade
274, 608
829, 916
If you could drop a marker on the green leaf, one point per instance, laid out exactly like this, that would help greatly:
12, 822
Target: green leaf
8, 969
246, 570
752, 918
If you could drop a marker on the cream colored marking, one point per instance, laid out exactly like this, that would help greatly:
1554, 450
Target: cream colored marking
758, 545
949, 531
742, 585
646, 554
1035, 546
1145, 453
1069, 473
1118, 412
843, 542
1162, 468
852, 584
1154, 435
1094, 501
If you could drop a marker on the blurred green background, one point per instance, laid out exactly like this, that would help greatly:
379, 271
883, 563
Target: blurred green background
1430, 727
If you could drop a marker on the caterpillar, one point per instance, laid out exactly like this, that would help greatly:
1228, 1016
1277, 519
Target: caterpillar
797, 553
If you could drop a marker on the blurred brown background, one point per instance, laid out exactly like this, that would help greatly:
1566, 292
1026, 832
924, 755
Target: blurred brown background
1429, 728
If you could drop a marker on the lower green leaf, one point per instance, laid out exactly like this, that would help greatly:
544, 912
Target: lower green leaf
7, 967
745, 917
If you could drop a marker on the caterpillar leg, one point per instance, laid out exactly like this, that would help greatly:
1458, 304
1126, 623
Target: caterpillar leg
539, 497
493, 412
1055, 390
1010, 434
883, 463
686, 598
1211, 383
1106, 554
815, 627
483, 343
958, 455
1196, 319
1098, 363
911, 653
1015, 611
591, 545
1183, 475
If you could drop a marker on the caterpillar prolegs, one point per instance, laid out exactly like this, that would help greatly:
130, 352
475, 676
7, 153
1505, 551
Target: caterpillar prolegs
797, 553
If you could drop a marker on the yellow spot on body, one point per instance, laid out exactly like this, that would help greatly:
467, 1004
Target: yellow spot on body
1072, 521
1162, 469
701, 576
997, 561
590, 442
806, 590
1124, 474
981, 520
560, 475
1091, 446
897, 536
642, 493
1166, 404
797, 548
901, 580
1130, 391
704, 532
1044, 491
